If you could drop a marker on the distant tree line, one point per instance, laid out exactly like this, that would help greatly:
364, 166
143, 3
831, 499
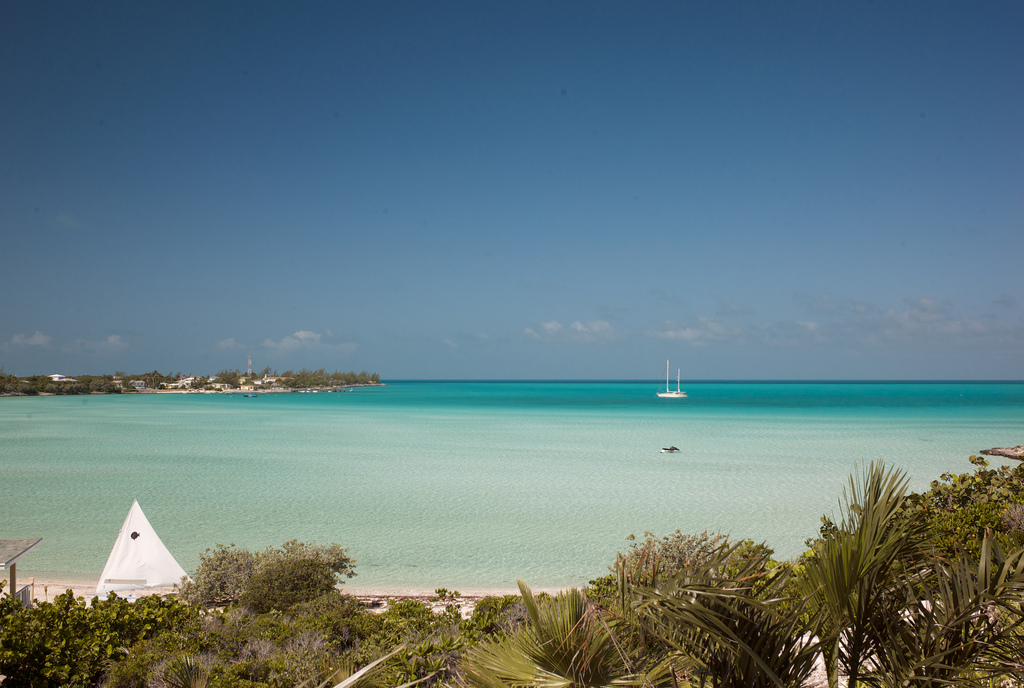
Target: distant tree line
40, 384
302, 379
105, 384
320, 378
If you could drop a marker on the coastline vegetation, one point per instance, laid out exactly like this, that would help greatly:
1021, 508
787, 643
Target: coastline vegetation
120, 382
898, 589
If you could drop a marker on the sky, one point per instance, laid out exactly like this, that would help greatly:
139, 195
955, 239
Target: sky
514, 190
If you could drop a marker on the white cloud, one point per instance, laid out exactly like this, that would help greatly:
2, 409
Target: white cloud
926, 311
228, 343
298, 340
111, 344
789, 334
829, 306
306, 340
577, 331
702, 333
37, 339
855, 328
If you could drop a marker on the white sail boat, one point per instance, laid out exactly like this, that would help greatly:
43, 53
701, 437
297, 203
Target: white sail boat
139, 559
668, 393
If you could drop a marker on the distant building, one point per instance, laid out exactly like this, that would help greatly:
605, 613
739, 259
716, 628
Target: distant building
56, 377
138, 384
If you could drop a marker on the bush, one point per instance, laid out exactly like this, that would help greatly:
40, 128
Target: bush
677, 551
959, 509
1013, 518
343, 619
282, 584
502, 614
221, 577
66, 643
224, 573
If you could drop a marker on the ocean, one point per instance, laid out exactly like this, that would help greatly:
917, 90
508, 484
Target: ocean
471, 485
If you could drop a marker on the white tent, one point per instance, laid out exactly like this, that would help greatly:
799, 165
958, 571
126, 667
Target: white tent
139, 559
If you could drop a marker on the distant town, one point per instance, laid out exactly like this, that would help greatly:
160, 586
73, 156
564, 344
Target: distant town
226, 381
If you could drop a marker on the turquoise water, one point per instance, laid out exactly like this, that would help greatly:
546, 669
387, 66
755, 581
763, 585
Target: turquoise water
471, 485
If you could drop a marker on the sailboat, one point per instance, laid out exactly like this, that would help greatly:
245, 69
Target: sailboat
139, 559
668, 393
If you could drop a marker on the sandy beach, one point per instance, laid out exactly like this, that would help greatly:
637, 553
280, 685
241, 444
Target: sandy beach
45, 590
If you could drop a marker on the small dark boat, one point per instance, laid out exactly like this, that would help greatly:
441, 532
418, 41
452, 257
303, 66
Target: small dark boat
669, 450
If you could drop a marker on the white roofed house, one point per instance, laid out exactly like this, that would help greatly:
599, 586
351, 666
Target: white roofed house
57, 377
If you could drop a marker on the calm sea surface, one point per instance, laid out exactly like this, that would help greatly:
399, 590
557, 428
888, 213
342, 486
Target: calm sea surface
470, 485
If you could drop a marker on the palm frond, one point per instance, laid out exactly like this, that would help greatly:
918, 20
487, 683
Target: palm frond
565, 645
731, 620
857, 576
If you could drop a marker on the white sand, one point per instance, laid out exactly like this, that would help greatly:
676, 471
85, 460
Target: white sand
376, 598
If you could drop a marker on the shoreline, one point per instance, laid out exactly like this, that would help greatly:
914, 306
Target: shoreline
376, 599
147, 391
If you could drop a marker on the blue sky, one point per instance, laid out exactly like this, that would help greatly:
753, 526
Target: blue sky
513, 190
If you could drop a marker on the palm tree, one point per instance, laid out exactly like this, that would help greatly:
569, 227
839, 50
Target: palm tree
565, 644
727, 619
964, 620
857, 576
894, 613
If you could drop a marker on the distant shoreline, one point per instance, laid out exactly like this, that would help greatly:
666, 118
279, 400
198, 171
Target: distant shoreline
146, 392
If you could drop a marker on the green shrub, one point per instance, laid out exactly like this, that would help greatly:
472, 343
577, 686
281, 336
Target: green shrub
662, 557
959, 509
342, 619
285, 583
225, 572
502, 614
1013, 518
221, 577
66, 643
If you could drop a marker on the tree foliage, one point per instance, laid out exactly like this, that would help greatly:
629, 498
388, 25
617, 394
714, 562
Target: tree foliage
305, 379
725, 616
663, 557
565, 643
68, 643
226, 572
284, 584
961, 508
